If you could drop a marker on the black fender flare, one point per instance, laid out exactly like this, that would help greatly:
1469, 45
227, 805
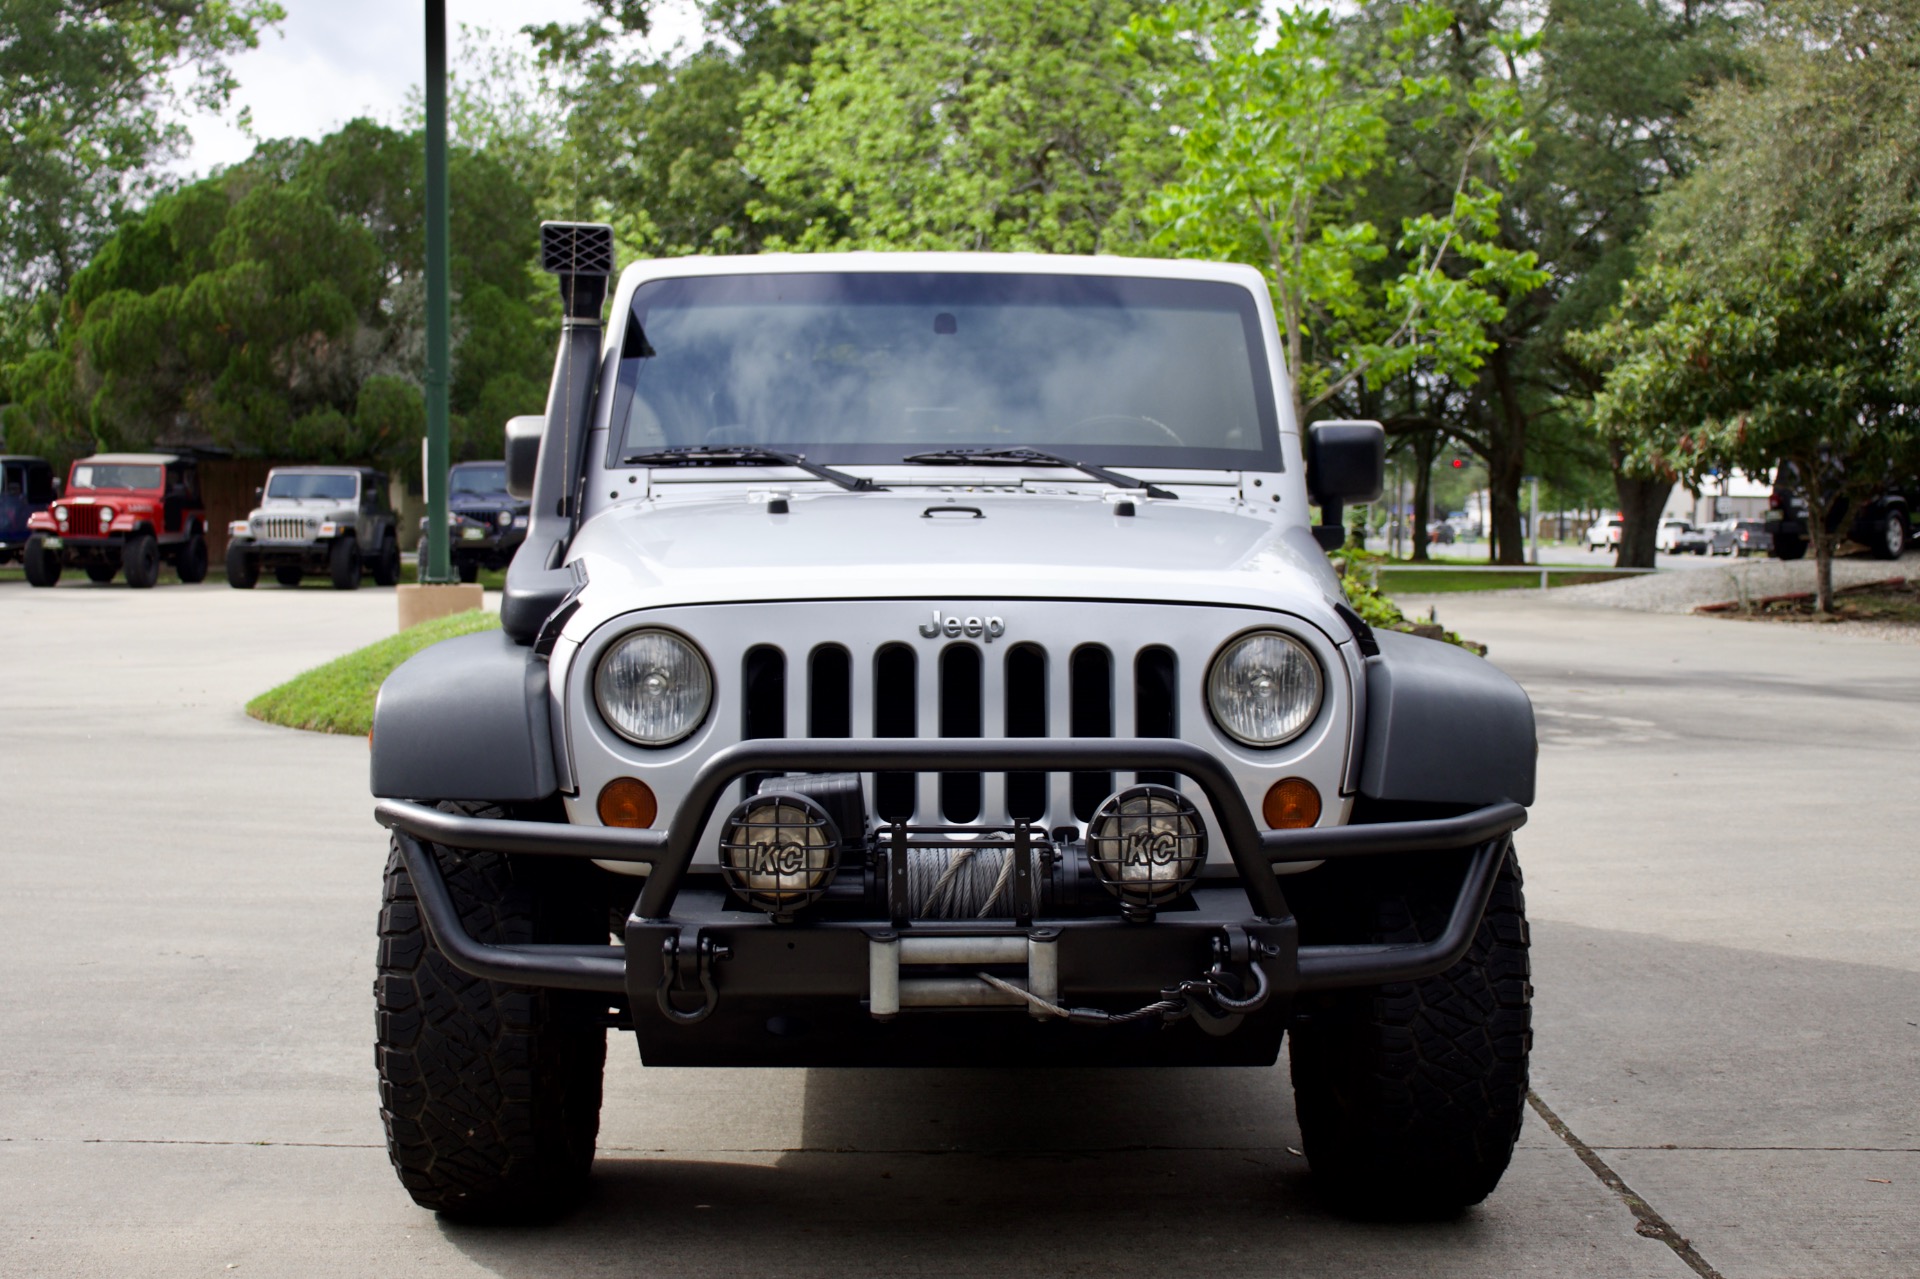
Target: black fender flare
465, 719
1444, 726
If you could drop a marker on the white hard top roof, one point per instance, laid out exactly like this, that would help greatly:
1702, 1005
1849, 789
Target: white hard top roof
133, 459
982, 263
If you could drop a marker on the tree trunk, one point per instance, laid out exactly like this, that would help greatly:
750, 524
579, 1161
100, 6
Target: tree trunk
1506, 464
1641, 501
1424, 446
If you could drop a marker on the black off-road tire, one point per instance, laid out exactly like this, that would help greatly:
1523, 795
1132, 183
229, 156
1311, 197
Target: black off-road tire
102, 573
343, 564
469, 570
490, 1093
191, 563
42, 565
1789, 546
288, 574
242, 569
1892, 538
386, 565
1410, 1095
140, 560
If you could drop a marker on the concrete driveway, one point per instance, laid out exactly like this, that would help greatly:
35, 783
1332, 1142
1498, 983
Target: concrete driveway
1722, 877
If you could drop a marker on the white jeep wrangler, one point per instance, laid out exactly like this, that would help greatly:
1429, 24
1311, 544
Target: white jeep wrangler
931, 659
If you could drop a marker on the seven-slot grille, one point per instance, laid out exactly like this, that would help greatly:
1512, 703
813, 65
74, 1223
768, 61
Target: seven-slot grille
961, 691
283, 527
84, 521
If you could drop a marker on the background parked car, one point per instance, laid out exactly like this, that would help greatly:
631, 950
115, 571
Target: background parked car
1884, 525
1604, 534
26, 486
486, 522
1692, 541
1669, 533
122, 513
1742, 537
317, 519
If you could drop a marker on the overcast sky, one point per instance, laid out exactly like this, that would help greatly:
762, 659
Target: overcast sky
332, 60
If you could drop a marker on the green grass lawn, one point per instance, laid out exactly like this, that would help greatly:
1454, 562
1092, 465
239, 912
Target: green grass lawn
338, 697
1441, 582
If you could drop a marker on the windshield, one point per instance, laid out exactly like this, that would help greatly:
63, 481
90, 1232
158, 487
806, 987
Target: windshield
339, 488
478, 478
115, 475
862, 367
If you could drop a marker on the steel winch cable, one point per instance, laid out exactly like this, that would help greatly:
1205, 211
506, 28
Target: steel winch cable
960, 883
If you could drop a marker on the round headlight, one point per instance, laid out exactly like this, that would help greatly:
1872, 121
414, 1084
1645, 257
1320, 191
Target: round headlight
504, 518
106, 515
1264, 689
653, 688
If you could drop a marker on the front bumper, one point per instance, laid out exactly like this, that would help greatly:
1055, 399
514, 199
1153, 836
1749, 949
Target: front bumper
690, 949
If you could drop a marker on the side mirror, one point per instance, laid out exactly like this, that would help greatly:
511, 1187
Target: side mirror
1346, 462
523, 453
59, 487
257, 491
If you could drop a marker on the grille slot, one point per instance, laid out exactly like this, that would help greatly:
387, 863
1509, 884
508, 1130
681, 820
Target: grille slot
895, 700
1026, 710
1090, 680
1156, 703
763, 681
960, 717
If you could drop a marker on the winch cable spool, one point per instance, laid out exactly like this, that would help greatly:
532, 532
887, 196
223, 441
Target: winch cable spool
969, 882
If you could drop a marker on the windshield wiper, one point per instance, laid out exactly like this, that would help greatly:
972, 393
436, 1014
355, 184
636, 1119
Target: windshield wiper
748, 455
1026, 457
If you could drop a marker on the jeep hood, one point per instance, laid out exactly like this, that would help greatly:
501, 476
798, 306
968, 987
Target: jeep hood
927, 543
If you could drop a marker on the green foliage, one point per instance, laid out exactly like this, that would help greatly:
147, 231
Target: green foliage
1772, 319
1286, 123
338, 697
277, 310
92, 93
1359, 581
955, 124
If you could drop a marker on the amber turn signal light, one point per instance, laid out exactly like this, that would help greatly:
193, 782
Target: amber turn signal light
629, 802
1291, 804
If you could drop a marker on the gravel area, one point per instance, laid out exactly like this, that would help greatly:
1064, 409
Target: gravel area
1682, 592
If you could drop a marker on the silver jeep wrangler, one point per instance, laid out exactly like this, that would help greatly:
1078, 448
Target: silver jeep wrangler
933, 659
317, 519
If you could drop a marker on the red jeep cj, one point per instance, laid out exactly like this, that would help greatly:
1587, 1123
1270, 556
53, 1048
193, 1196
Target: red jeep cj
120, 511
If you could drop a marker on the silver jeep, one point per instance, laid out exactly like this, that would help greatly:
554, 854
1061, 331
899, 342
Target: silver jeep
317, 519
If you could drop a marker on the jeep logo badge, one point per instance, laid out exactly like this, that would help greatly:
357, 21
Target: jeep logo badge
954, 627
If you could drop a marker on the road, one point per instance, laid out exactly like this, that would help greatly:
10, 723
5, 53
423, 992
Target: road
1721, 870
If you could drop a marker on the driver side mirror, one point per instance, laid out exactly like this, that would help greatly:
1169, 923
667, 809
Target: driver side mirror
523, 453
59, 487
1346, 462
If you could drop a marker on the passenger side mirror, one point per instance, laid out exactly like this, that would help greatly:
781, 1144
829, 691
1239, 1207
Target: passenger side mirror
1346, 462
523, 453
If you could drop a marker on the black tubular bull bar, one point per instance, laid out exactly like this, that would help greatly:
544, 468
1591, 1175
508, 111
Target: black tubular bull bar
668, 854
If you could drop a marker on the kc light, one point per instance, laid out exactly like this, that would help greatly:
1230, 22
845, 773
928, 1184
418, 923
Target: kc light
779, 851
1146, 844
653, 687
1264, 689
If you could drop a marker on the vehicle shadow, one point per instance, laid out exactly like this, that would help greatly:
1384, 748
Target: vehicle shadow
968, 1172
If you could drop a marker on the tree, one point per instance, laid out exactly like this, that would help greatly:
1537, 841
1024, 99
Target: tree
90, 89
1286, 125
955, 124
277, 310
1773, 318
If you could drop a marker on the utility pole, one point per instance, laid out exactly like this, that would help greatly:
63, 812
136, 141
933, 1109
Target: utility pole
436, 566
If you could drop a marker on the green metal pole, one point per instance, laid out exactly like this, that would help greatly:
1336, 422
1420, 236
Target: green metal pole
437, 565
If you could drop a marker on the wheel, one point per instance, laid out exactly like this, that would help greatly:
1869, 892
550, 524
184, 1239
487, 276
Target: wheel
42, 565
288, 575
490, 1094
1410, 1095
469, 570
1891, 544
101, 572
191, 564
242, 569
1789, 546
140, 561
386, 566
343, 564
